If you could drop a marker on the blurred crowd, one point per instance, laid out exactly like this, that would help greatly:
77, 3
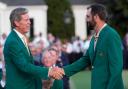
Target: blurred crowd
68, 51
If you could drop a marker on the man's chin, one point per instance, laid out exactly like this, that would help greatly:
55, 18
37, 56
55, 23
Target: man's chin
26, 32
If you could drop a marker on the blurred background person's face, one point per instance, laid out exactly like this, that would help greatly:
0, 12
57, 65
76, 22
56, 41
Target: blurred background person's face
54, 56
59, 45
64, 48
47, 59
33, 51
39, 50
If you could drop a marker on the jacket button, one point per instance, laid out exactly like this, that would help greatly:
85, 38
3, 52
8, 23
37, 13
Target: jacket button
92, 67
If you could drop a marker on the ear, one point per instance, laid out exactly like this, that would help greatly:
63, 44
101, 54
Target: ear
16, 23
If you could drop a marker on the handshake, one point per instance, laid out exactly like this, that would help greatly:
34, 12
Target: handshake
56, 73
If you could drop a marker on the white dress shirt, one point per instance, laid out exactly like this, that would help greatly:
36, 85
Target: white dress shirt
97, 35
23, 38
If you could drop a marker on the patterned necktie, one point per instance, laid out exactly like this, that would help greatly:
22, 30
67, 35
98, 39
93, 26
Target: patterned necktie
25, 43
95, 41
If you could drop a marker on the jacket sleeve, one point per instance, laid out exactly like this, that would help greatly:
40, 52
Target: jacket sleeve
115, 60
77, 66
19, 59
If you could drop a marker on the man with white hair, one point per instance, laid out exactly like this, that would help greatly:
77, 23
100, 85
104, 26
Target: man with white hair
50, 57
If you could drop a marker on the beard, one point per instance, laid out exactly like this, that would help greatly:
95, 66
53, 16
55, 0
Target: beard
91, 25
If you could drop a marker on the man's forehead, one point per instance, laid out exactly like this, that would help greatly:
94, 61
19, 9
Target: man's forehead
25, 16
52, 51
46, 54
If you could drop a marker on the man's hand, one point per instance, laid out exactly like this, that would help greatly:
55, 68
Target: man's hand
56, 73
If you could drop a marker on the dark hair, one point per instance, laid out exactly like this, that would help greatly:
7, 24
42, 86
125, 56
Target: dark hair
100, 10
16, 15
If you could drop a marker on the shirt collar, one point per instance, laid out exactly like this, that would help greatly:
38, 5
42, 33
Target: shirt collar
19, 34
96, 36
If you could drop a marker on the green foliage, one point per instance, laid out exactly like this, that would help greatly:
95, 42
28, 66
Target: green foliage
56, 25
119, 15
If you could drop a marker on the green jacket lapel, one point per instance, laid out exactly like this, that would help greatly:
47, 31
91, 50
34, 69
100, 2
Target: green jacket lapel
91, 49
101, 35
99, 41
21, 44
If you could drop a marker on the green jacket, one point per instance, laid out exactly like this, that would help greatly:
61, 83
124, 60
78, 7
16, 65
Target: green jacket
58, 84
106, 61
21, 73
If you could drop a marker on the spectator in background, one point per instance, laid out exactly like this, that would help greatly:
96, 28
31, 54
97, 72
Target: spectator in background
68, 46
49, 60
3, 38
38, 54
87, 43
77, 45
62, 60
2, 69
50, 38
125, 51
42, 40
